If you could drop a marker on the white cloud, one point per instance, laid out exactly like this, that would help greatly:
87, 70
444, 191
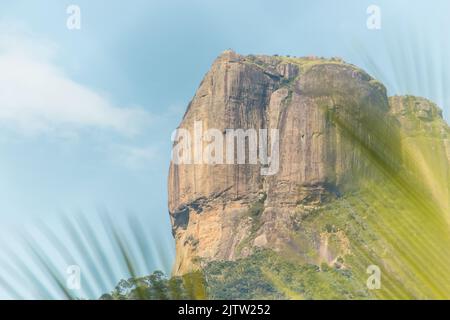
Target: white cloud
36, 96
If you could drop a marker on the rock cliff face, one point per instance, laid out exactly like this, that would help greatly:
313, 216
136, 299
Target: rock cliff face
328, 114
425, 140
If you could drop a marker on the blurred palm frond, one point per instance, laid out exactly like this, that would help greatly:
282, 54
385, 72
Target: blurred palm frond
37, 264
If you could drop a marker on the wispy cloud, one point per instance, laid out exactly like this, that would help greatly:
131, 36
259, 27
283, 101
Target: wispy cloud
134, 157
36, 96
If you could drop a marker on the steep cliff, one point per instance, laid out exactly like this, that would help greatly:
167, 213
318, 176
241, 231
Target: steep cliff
425, 145
338, 134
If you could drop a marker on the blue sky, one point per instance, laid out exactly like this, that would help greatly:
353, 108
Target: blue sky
90, 112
